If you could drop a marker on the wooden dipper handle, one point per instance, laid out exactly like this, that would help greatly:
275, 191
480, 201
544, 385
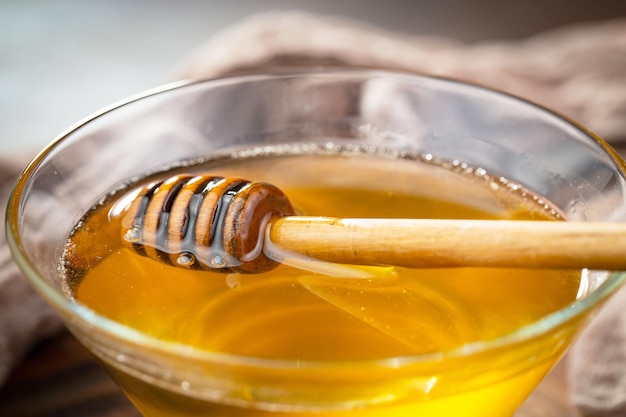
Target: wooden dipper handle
426, 243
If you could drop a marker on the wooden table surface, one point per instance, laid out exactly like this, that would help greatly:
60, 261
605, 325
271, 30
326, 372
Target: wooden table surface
61, 379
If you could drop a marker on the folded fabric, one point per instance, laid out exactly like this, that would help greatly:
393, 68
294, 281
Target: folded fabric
578, 71
24, 317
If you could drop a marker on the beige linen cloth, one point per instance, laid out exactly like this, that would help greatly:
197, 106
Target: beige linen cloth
579, 71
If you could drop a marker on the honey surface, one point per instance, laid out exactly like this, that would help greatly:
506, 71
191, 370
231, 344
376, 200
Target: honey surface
299, 314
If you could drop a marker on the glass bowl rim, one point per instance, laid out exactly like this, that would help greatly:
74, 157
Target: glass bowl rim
118, 331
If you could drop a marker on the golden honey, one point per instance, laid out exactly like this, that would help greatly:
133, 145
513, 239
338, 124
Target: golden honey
314, 320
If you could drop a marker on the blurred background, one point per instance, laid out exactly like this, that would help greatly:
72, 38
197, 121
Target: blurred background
62, 60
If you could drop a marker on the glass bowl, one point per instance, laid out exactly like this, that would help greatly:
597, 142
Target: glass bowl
356, 112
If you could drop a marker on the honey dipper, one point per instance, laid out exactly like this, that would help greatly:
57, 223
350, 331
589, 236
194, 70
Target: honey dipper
215, 223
